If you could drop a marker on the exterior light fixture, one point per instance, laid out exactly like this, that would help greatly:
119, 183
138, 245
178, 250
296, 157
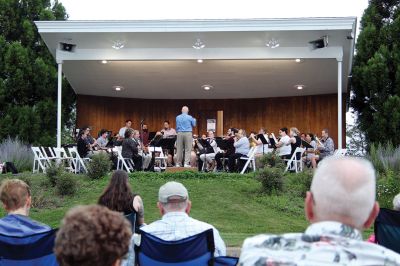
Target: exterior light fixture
199, 61
298, 60
118, 88
198, 44
118, 44
104, 61
207, 87
273, 43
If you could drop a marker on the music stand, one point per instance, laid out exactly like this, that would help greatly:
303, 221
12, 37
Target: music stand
155, 142
263, 140
273, 143
223, 144
306, 145
206, 147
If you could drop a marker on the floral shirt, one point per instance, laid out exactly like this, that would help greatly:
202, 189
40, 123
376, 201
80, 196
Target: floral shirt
324, 243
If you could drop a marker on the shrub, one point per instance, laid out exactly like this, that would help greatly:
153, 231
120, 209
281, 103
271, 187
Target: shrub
298, 184
388, 186
66, 184
53, 172
385, 158
271, 179
15, 151
99, 166
271, 159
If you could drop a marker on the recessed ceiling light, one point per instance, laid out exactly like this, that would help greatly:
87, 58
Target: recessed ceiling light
299, 87
104, 61
298, 60
118, 88
118, 44
207, 87
198, 45
199, 61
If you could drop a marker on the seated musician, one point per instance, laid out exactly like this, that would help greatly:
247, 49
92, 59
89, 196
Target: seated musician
260, 147
229, 138
145, 135
102, 141
294, 141
168, 132
282, 145
311, 156
146, 156
84, 147
242, 147
207, 154
328, 146
130, 149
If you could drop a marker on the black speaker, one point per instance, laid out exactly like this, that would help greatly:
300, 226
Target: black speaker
318, 44
67, 47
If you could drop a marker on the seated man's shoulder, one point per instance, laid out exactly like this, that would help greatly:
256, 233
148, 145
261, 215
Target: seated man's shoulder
304, 249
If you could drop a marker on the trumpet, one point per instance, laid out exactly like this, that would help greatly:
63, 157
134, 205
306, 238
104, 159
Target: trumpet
319, 143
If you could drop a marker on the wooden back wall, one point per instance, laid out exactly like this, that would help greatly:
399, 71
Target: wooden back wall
307, 113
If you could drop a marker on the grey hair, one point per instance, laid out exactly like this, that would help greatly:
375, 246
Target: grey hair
185, 109
344, 187
179, 206
396, 202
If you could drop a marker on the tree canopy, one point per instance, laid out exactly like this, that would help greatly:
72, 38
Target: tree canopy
28, 73
376, 72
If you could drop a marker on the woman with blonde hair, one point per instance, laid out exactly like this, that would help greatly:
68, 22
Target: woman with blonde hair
294, 141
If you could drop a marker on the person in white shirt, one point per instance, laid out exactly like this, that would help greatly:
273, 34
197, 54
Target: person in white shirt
283, 146
102, 140
174, 206
208, 155
121, 133
340, 204
167, 131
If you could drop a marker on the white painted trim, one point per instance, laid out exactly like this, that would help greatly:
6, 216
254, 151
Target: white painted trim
210, 53
284, 24
59, 95
340, 136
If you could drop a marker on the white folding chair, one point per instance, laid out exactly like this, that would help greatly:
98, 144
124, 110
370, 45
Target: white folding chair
249, 159
77, 161
340, 152
123, 163
64, 158
40, 162
159, 160
295, 164
48, 153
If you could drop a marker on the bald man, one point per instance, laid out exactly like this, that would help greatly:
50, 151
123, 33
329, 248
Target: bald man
184, 140
340, 205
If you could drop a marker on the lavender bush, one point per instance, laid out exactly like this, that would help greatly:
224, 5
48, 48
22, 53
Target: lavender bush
14, 150
385, 158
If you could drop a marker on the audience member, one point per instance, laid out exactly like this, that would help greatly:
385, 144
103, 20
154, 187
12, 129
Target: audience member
282, 145
16, 197
340, 204
130, 149
92, 235
6, 167
118, 196
242, 147
174, 206
184, 141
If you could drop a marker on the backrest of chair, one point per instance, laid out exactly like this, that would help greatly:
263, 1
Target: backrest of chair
132, 219
28, 250
387, 229
225, 261
194, 250
37, 152
251, 152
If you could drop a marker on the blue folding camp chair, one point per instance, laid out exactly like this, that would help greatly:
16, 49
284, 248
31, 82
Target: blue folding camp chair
132, 219
387, 229
195, 250
32, 250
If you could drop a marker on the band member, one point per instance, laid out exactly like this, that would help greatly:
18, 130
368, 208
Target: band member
184, 141
145, 135
328, 146
121, 134
260, 147
167, 131
242, 147
282, 145
130, 149
229, 139
146, 157
102, 141
312, 156
207, 154
294, 141
84, 147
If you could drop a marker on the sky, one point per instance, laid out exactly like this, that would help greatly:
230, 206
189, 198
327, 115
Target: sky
212, 9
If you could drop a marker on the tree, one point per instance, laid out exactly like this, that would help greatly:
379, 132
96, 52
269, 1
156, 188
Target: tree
28, 73
376, 72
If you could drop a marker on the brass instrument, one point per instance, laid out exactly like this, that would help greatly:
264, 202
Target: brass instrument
252, 140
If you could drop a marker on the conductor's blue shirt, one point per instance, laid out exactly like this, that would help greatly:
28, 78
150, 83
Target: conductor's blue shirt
185, 123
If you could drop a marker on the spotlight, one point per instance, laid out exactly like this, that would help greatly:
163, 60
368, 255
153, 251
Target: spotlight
298, 60
319, 44
118, 88
104, 62
67, 47
299, 87
207, 87
199, 61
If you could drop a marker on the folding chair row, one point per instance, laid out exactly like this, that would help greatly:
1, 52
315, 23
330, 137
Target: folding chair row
295, 163
250, 159
126, 164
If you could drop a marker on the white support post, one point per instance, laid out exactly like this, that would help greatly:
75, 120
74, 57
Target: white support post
340, 130
59, 95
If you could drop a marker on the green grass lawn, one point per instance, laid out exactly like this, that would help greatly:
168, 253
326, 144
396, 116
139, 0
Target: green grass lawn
232, 203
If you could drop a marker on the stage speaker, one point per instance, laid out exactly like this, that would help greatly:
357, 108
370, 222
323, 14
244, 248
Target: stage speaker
67, 47
318, 44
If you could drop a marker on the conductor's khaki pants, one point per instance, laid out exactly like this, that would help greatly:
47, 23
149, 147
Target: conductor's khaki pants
184, 142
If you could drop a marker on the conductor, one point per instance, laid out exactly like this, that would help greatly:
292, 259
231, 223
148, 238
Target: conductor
184, 140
